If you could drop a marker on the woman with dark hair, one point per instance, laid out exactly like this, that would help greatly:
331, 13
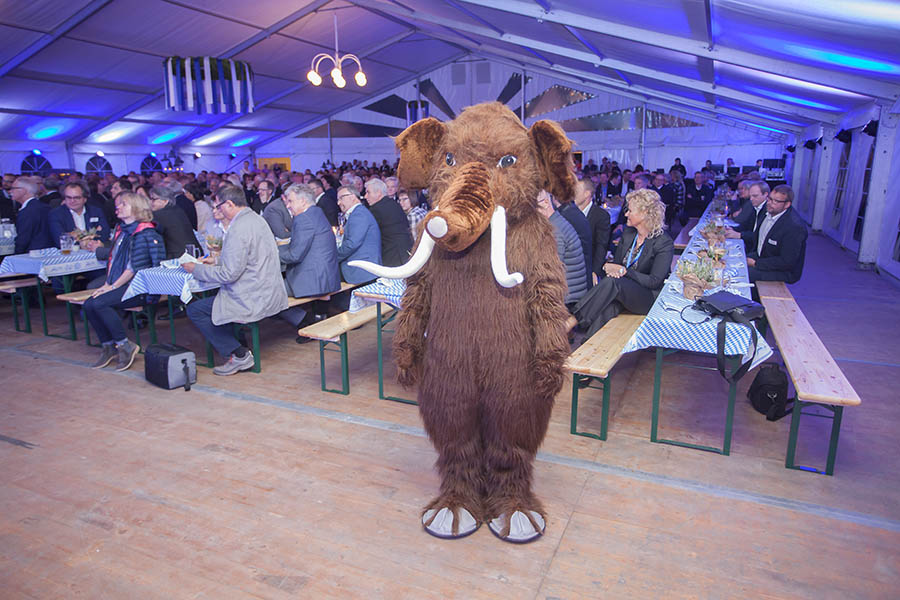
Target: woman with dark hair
136, 245
637, 272
194, 192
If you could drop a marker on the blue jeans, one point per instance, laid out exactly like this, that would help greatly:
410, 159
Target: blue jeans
103, 314
220, 336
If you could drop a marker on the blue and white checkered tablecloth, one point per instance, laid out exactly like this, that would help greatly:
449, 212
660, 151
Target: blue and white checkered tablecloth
7, 246
664, 326
51, 263
171, 282
381, 290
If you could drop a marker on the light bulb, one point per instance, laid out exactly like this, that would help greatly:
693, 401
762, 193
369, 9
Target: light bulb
360, 78
197, 155
336, 73
100, 153
314, 78
340, 82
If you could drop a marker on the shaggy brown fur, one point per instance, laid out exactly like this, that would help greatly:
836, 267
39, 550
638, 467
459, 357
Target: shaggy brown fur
491, 363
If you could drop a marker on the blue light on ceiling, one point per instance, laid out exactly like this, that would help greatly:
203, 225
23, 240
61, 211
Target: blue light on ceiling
760, 114
791, 99
46, 129
36, 152
243, 142
46, 132
167, 136
760, 126
843, 60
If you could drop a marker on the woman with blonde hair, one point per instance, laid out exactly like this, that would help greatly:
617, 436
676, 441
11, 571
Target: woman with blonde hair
136, 245
634, 277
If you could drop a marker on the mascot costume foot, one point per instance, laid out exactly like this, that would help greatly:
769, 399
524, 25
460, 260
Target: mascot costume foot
485, 345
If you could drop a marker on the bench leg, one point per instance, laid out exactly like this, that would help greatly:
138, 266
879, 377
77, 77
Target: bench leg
15, 298
604, 410
151, 322
87, 331
26, 309
137, 331
379, 329
67, 287
725, 450
345, 364
254, 334
171, 306
836, 418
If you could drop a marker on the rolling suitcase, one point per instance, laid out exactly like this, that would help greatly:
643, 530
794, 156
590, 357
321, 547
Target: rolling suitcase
170, 366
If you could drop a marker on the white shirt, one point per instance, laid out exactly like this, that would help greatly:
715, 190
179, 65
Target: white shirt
764, 229
79, 219
756, 215
587, 208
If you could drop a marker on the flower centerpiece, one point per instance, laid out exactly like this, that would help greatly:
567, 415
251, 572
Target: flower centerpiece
713, 234
697, 276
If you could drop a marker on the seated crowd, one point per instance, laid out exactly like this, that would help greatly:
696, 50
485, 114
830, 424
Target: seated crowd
611, 237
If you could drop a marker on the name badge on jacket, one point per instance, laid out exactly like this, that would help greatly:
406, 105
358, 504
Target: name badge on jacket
773, 242
94, 219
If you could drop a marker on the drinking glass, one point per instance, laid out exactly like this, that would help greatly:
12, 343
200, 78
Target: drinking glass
65, 243
192, 250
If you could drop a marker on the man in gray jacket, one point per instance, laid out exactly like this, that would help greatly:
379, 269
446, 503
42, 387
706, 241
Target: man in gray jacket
249, 275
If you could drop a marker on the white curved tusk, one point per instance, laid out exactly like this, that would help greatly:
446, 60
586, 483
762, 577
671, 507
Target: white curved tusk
498, 251
412, 266
437, 227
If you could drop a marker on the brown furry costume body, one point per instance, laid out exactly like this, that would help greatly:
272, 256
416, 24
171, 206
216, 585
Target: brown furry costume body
491, 362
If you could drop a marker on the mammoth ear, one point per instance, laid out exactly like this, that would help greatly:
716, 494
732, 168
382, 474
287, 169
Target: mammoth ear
554, 152
418, 144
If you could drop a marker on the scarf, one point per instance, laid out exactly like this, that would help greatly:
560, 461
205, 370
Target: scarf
120, 256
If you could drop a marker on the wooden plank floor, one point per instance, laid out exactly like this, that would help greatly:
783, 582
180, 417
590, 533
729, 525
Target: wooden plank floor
262, 486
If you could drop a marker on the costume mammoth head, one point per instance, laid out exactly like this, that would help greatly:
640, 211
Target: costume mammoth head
482, 169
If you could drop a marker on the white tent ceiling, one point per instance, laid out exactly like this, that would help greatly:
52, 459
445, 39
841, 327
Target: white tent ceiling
91, 70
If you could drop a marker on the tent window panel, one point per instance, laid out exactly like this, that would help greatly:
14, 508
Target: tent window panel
840, 186
150, 164
97, 165
861, 217
35, 165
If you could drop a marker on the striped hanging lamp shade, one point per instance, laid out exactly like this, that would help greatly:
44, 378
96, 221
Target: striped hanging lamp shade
208, 85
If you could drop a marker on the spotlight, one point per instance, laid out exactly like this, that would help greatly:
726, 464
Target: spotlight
819, 140
36, 152
100, 153
810, 144
197, 155
871, 128
153, 154
233, 155
843, 136
790, 148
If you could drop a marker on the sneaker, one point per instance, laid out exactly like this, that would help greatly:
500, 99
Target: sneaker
107, 353
127, 352
235, 364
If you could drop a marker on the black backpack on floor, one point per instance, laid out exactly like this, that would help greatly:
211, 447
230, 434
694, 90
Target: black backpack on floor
769, 392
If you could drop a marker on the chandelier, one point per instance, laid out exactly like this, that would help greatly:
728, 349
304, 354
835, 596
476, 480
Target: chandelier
336, 75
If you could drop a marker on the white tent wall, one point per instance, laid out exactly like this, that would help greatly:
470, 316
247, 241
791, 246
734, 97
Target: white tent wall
469, 81
12, 152
889, 246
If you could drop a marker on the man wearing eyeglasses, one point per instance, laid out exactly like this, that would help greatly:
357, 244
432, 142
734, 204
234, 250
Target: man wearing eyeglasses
362, 238
249, 275
778, 249
7, 206
75, 214
171, 222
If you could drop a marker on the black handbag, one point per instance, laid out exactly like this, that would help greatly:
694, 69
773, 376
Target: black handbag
170, 366
733, 309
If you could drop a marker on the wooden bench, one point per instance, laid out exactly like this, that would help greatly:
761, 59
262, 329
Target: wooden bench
333, 330
79, 298
593, 361
17, 286
817, 378
684, 236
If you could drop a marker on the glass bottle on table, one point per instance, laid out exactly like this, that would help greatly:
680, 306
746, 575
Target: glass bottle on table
66, 243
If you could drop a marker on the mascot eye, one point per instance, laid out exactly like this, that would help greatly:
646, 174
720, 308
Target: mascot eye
451, 160
507, 161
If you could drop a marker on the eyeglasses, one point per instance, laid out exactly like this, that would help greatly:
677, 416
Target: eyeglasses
219, 205
777, 201
73, 197
345, 196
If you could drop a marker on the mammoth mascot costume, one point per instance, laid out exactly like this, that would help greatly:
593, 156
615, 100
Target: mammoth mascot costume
486, 345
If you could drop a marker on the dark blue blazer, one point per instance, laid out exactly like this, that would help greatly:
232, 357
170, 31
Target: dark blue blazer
61, 222
582, 227
362, 241
32, 227
311, 257
784, 250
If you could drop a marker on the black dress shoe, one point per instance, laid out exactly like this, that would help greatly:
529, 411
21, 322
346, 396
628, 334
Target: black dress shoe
302, 339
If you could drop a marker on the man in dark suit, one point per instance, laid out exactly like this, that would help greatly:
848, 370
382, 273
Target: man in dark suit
598, 220
51, 197
182, 202
579, 222
697, 195
616, 184
311, 255
327, 202
750, 219
780, 243
171, 222
32, 222
601, 186
7, 206
75, 213
362, 238
396, 240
